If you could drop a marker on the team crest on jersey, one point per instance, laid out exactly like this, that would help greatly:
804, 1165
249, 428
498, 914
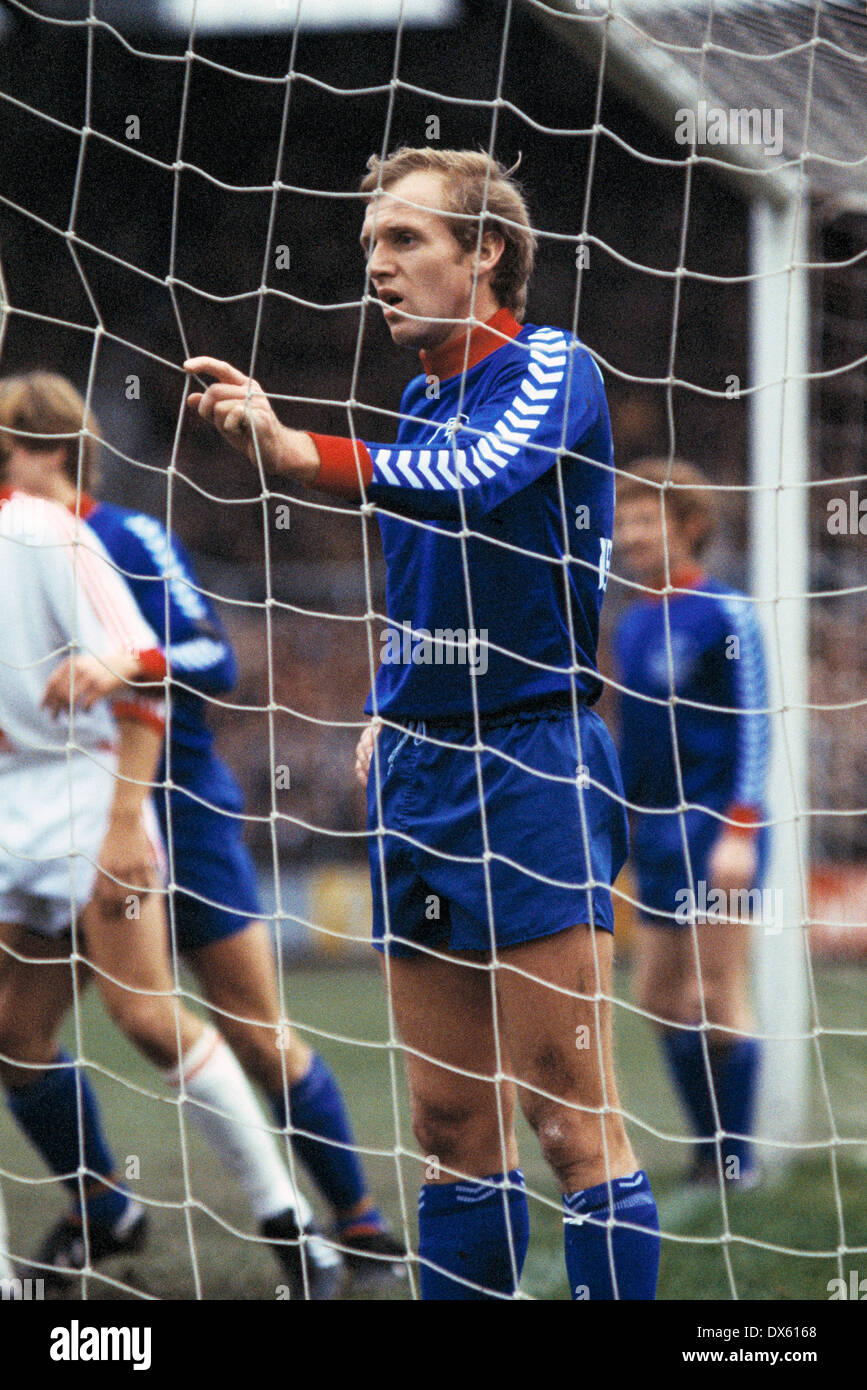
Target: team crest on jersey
451, 427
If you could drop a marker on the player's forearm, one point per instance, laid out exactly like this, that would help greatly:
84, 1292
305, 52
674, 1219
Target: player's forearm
139, 748
300, 459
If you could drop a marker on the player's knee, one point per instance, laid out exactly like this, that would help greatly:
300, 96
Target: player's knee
574, 1148
571, 1144
260, 1050
449, 1130
22, 1040
15, 1046
147, 1021
665, 1000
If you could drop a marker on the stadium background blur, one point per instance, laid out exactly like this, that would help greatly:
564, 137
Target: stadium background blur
306, 351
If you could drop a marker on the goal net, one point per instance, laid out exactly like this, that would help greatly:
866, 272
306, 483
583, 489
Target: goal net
181, 178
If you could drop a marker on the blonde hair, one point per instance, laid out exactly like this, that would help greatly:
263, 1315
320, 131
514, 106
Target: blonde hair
44, 412
477, 190
686, 490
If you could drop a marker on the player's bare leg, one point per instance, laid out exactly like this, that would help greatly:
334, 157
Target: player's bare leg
239, 981
557, 1027
135, 978
36, 991
463, 1124
54, 1102
561, 1047
443, 1009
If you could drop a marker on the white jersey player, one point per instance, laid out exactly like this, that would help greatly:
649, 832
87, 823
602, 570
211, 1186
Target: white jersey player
58, 770
75, 773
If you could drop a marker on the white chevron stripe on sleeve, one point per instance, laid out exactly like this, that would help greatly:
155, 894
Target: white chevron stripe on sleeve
519, 424
488, 452
548, 359
536, 393
424, 469
443, 463
464, 469
479, 464
404, 460
513, 436
381, 464
545, 378
526, 409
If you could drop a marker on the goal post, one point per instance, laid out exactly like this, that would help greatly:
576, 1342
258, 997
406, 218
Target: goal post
779, 581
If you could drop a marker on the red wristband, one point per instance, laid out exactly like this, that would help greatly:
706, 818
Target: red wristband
746, 819
152, 664
343, 464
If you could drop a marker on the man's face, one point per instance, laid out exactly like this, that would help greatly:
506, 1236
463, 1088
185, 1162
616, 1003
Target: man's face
415, 264
640, 544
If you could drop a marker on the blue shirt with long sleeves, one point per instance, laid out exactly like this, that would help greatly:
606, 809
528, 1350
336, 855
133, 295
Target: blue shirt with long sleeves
496, 507
709, 655
199, 657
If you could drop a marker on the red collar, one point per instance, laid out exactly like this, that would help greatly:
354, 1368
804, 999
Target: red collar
471, 346
686, 577
88, 504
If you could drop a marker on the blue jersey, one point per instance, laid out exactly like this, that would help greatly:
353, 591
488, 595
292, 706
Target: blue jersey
199, 659
514, 597
717, 671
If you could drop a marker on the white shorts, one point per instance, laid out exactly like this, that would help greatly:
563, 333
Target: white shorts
53, 819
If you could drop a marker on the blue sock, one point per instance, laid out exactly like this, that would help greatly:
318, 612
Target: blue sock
317, 1107
47, 1112
463, 1228
634, 1254
735, 1071
685, 1055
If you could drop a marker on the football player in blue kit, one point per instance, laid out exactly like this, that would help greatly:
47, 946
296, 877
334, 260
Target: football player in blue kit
495, 812
688, 636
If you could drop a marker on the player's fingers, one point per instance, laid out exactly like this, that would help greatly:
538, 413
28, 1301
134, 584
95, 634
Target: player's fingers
209, 401
231, 417
251, 391
213, 366
56, 693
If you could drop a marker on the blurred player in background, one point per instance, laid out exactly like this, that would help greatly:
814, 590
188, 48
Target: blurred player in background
702, 645
216, 908
76, 774
502, 439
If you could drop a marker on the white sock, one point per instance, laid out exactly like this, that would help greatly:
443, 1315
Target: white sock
235, 1126
6, 1270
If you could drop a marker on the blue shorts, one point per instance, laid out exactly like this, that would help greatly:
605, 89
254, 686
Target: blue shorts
427, 868
217, 893
661, 870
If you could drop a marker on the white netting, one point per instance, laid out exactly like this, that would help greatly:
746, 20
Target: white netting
170, 192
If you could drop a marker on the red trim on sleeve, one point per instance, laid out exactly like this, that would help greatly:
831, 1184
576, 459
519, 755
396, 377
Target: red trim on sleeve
340, 460
746, 819
152, 664
140, 711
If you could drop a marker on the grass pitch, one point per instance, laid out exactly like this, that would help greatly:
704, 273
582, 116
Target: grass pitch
773, 1243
